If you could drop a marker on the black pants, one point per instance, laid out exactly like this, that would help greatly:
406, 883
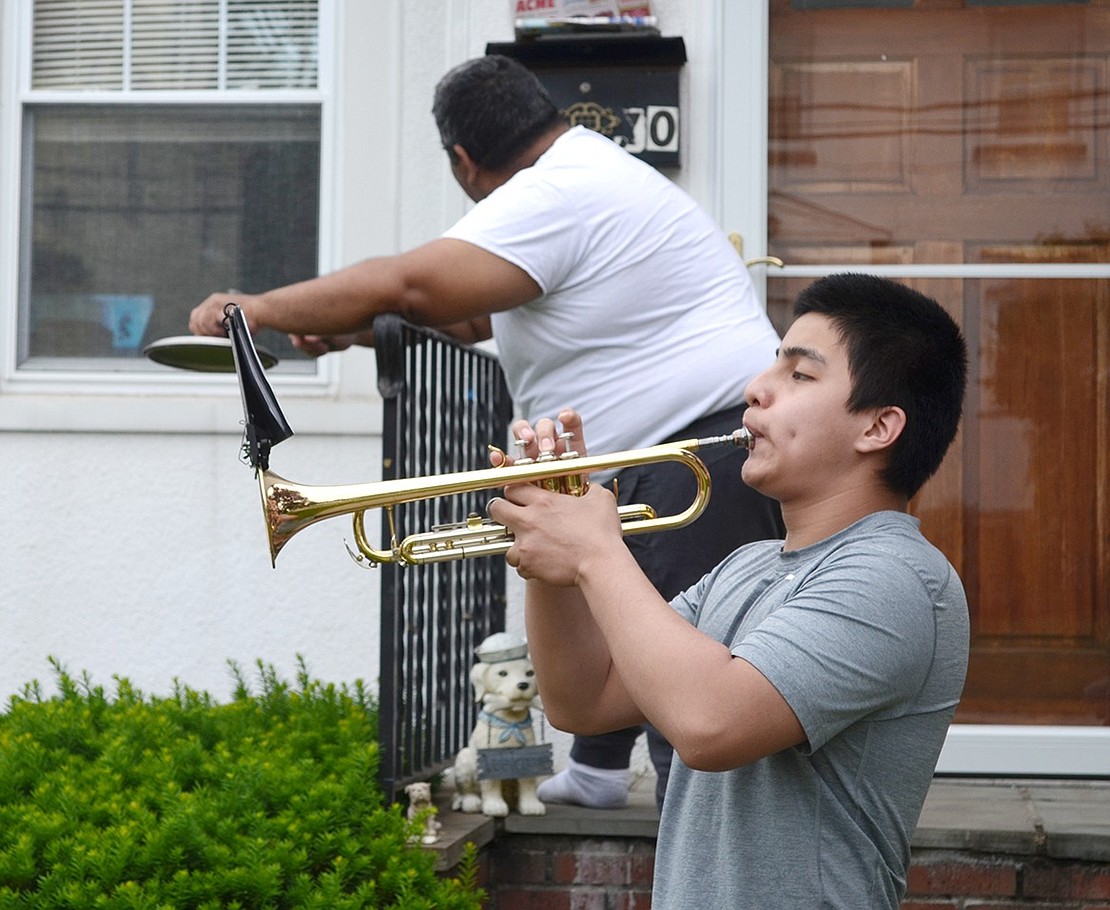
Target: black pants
675, 560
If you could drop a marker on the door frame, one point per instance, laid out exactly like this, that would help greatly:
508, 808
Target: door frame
737, 136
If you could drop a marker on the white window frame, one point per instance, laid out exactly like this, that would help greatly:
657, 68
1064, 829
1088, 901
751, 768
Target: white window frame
340, 391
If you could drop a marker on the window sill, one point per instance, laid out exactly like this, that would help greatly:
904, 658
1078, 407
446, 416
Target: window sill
182, 413
342, 401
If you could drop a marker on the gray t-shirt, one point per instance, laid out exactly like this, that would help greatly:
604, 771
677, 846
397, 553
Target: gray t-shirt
865, 634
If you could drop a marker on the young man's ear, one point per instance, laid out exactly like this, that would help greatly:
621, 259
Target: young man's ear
885, 428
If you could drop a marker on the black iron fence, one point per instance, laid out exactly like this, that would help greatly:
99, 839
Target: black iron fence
443, 403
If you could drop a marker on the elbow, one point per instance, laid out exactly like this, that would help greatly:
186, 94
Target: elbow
713, 747
571, 720
706, 746
704, 756
582, 718
414, 308
560, 717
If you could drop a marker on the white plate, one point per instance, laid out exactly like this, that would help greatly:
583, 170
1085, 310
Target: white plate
201, 353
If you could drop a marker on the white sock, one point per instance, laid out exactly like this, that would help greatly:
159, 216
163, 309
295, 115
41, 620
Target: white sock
583, 785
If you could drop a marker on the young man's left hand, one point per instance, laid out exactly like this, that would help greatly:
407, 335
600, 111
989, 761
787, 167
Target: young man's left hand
555, 534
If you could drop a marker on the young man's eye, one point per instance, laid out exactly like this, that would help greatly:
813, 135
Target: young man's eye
799, 376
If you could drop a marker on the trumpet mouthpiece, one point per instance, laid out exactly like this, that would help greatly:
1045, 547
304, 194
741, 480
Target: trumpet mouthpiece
741, 438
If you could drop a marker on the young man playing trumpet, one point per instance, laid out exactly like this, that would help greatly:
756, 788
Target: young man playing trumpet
806, 685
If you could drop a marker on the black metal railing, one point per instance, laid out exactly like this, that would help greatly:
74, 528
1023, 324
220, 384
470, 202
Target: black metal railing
444, 403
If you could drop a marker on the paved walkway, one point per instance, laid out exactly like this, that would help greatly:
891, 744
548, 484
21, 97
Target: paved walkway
1055, 818
1060, 819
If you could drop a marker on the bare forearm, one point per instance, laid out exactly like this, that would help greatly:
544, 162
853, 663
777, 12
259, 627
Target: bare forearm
657, 653
342, 302
469, 332
580, 689
445, 284
718, 711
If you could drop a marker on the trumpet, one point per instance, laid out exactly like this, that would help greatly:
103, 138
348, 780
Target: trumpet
290, 507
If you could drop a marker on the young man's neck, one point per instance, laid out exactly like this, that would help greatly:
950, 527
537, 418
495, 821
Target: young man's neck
810, 522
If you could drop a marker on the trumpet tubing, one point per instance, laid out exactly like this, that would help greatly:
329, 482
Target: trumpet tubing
479, 536
290, 507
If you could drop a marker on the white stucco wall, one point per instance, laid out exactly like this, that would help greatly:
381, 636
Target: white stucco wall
145, 556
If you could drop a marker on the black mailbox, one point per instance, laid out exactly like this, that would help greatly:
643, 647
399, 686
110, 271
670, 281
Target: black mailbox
623, 87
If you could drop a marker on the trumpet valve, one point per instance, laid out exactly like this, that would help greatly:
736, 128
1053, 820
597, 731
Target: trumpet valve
519, 458
574, 484
554, 484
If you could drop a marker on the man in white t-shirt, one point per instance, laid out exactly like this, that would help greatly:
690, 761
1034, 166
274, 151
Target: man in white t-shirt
603, 283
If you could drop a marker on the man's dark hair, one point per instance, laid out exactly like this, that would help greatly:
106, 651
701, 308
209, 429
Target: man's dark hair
494, 108
903, 350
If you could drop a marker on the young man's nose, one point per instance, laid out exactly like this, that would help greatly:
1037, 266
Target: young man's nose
755, 391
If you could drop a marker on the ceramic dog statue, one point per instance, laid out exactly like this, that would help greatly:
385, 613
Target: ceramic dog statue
420, 803
505, 687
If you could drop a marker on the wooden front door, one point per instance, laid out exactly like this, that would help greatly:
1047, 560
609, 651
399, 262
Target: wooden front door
951, 132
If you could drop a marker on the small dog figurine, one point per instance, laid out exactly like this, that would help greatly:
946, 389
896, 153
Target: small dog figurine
505, 686
420, 802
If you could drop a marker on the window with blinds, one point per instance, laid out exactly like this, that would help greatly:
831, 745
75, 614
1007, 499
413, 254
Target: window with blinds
135, 210
146, 45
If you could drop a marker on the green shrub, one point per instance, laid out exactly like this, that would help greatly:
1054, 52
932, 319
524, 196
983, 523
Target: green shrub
268, 801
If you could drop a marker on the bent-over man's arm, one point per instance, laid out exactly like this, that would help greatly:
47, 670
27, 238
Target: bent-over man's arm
446, 284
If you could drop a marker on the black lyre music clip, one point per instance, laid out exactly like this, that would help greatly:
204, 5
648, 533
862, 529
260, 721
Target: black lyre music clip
264, 424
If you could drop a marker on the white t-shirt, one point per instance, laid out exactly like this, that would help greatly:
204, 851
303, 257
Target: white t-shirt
648, 319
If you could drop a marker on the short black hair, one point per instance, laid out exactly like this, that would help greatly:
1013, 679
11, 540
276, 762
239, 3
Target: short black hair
494, 108
905, 351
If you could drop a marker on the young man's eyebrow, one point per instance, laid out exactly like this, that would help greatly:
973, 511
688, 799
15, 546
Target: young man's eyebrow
797, 351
